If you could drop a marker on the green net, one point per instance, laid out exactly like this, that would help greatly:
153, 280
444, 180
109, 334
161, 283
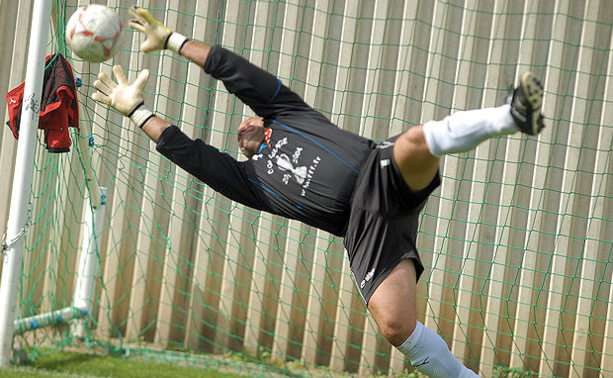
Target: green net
516, 242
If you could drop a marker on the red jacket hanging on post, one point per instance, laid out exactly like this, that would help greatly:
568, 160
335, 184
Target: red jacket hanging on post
59, 105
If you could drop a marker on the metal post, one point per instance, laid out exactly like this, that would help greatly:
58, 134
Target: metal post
88, 263
12, 251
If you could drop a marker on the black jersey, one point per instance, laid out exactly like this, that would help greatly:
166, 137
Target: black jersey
306, 168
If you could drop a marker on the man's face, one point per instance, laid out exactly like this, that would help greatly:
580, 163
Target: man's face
251, 135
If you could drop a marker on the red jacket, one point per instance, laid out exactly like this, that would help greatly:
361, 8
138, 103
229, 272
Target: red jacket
59, 105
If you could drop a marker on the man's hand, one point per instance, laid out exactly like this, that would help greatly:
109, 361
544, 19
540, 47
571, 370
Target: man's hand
159, 37
123, 96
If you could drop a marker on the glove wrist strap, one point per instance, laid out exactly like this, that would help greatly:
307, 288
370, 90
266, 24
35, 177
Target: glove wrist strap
140, 115
175, 41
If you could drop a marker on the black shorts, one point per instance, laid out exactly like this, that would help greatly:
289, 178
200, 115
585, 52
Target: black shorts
382, 228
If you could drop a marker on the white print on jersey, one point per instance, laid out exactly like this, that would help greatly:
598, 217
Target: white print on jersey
285, 164
273, 153
289, 166
278, 146
310, 174
368, 277
296, 155
384, 163
385, 144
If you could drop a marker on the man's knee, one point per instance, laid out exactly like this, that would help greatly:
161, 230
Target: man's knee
413, 139
396, 330
417, 165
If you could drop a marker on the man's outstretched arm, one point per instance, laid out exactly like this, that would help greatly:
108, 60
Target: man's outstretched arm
218, 170
255, 87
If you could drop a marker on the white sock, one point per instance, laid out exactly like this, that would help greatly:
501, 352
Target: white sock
465, 130
429, 353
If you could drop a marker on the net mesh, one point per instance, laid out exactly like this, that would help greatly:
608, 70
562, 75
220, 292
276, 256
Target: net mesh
516, 243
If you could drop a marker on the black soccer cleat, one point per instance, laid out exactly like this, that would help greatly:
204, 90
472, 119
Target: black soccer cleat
526, 104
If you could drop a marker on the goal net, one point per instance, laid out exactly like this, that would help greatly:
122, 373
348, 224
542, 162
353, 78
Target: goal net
517, 241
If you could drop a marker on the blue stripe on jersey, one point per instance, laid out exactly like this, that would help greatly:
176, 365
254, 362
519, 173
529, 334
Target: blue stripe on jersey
319, 144
265, 188
276, 194
276, 93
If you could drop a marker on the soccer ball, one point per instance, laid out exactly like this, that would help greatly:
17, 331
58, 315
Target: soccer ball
93, 33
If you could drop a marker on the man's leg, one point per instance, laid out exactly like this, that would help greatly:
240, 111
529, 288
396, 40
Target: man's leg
392, 306
417, 153
463, 131
417, 150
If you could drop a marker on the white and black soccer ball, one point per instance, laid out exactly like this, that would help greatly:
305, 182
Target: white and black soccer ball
94, 32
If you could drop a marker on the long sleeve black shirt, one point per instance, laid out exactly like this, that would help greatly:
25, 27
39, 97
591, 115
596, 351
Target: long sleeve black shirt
306, 168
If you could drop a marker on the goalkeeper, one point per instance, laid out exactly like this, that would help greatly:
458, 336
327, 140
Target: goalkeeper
303, 167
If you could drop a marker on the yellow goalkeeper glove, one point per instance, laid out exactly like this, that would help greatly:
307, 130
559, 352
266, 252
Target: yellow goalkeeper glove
123, 96
159, 37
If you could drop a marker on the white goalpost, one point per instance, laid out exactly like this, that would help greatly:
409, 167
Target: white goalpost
12, 250
14, 243
88, 261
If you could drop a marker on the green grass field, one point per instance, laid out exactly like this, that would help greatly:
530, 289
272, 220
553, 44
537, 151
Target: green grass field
82, 365
73, 364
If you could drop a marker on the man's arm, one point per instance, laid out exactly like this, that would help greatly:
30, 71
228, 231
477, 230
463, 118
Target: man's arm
154, 127
196, 51
255, 87
218, 170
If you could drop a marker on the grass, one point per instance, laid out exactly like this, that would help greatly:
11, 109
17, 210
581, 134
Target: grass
74, 364
66, 364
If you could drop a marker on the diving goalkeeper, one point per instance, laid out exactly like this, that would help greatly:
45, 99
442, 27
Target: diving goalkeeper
301, 166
